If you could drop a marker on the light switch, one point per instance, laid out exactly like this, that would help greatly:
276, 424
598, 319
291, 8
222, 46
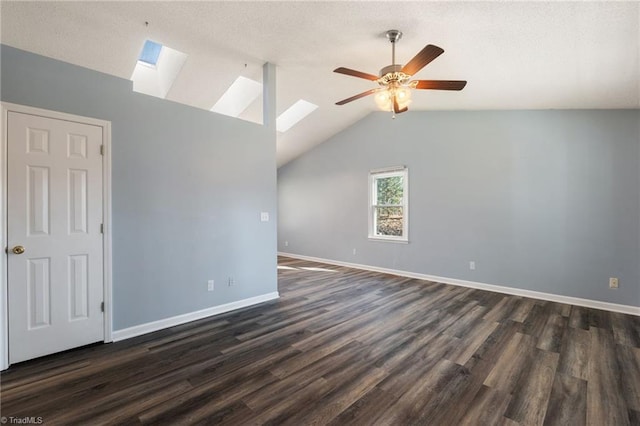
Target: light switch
264, 217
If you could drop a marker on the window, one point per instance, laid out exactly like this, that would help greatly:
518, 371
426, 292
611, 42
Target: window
156, 69
389, 204
150, 52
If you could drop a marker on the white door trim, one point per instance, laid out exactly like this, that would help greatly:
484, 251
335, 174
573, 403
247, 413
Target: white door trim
106, 205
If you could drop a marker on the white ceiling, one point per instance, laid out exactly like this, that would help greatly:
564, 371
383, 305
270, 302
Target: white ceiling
515, 55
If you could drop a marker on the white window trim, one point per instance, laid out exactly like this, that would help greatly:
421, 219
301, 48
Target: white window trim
382, 173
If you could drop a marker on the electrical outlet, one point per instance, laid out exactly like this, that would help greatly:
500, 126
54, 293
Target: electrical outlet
231, 282
613, 283
354, 251
472, 265
286, 243
210, 285
264, 216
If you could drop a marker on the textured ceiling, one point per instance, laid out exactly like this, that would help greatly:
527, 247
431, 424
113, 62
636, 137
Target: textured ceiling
515, 55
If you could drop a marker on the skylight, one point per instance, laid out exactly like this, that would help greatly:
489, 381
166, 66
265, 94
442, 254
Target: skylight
156, 69
238, 97
150, 52
294, 114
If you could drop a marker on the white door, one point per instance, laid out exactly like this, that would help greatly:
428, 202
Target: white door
55, 259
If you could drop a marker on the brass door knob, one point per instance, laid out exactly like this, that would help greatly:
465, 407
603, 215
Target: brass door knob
18, 250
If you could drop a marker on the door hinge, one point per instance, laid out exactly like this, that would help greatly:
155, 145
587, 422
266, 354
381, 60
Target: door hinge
102, 228
101, 149
102, 307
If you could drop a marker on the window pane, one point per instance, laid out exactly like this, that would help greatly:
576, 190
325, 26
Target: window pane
389, 221
150, 52
389, 190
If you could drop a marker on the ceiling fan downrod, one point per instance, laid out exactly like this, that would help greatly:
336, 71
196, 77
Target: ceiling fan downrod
393, 72
393, 36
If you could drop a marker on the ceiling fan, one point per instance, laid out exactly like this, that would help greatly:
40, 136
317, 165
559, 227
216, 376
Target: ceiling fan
394, 93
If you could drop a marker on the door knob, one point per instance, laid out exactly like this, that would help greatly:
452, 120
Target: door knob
18, 250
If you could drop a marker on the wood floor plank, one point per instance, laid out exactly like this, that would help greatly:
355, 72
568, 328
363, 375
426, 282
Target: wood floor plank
531, 395
625, 332
567, 403
513, 362
211, 410
423, 359
503, 310
351, 347
284, 408
560, 308
123, 411
366, 409
576, 350
306, 358
599, 319
487, 408
629, 357
522, 310
464, 324
216, 395
551, 337
535, 322
579, 317
486, 357
605, 399
408, 408
468, 345
440, 407
275, 392
345, 391
232, 414
505, 421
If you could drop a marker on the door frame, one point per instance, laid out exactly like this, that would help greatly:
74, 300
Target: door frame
106, 211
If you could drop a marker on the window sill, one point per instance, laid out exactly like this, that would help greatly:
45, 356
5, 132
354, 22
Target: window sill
389, 240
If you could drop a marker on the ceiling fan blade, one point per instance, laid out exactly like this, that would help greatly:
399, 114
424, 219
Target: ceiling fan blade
358, 96
441, 84
426, 55
396, 107
354, 73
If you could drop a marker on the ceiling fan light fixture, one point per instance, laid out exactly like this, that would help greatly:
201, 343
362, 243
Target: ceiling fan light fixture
384, 100
403, 96
401, 93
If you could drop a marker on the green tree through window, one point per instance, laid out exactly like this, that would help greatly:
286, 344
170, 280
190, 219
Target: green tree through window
388, 205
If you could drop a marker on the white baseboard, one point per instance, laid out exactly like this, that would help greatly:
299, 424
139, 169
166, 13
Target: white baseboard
137, 330
614, 307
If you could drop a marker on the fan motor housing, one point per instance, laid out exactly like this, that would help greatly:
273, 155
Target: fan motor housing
390, 69
393, 75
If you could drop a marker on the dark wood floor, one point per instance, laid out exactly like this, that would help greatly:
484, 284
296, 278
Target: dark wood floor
344, 346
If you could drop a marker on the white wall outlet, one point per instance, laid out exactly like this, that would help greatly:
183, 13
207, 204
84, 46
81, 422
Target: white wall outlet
286, 243
210, 285
613, 283
354, 251
264, 216
472, 265
231, 282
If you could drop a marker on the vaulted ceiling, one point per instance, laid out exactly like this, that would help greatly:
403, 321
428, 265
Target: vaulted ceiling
515, 55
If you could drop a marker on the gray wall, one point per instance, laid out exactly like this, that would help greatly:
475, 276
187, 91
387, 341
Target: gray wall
188, 189
541, 200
